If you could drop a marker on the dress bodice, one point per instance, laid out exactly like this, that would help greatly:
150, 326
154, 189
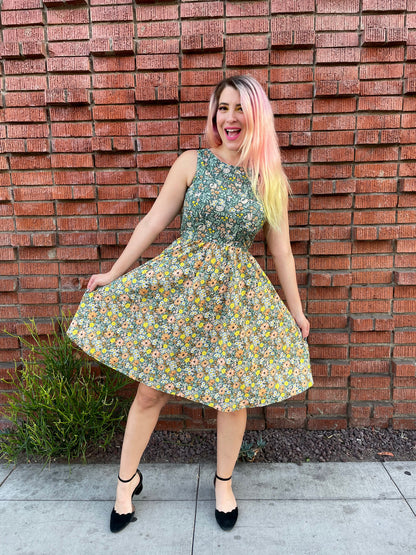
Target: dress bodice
220, 204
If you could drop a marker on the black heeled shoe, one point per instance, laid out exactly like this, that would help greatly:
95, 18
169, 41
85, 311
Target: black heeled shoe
227, 520
117, 521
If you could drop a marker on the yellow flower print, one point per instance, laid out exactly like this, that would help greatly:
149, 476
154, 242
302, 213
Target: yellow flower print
202, 303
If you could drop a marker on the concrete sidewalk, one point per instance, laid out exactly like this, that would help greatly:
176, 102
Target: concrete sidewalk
286, 509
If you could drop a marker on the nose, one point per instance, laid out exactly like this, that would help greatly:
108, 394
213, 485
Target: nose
231, 116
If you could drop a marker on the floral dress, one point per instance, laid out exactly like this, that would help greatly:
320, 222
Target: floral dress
201, 321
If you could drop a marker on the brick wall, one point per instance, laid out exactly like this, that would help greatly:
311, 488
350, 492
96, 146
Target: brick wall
100, 97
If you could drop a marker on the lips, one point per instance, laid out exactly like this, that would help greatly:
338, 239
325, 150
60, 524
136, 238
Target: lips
232, 132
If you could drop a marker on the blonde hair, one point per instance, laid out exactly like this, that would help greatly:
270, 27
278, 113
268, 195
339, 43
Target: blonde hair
260, 153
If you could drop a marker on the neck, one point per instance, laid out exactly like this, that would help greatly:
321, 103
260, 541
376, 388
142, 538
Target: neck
229, 157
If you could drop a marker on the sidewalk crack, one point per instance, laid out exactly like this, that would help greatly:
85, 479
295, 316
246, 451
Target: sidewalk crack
196, 507
8, 475
399, 490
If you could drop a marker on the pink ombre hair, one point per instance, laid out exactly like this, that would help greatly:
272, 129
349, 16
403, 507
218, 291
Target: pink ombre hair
260, 154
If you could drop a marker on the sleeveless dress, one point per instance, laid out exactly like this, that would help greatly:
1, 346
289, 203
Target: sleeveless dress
201, 321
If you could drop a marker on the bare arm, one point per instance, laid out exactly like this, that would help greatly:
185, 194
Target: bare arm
167, 205
278, 242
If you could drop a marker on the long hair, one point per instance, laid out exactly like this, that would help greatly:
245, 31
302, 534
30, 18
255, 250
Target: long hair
260, 154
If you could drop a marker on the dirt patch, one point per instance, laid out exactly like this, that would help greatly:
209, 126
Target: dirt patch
297, 446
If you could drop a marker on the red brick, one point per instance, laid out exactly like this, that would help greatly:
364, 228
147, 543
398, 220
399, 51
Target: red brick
292, 6
22, 17
404, 369
109, 81
71, 129
370, 395
70, 113
77, 253
403, 394
380, 103
405, 278
364, 306
291, 57
21, 4
38, 297
67, 96
162, 46
407, 185
251, 25
327, 424
114, 64
408, 245
373, 216
368, 247
111, 13
249, 9
383, 5
201, 9
112, 129
339, 22
376, 201
157, 61
339, 55
154, 13
379, 88
24, 114
71, 160
161, 29
68, 32
70, 48
337, 105
332, 155
331, 40
73, 16
362, 412
337, 6
365, 233
371, 337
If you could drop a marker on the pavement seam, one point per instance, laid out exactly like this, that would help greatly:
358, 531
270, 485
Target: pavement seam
398, 489
302, 499
79, 500
196, 507
8, 475
11, 500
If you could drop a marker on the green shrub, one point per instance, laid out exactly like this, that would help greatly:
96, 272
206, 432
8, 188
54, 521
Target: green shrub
249, 451
59, 405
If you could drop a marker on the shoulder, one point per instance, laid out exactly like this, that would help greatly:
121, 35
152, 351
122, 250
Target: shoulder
186, 164
189, 157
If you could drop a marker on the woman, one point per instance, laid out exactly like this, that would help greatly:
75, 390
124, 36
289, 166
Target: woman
201, 320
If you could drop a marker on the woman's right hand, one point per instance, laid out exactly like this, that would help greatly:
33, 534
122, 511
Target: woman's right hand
99, 280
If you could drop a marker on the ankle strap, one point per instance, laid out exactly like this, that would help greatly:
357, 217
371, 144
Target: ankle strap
223, 479
129, 480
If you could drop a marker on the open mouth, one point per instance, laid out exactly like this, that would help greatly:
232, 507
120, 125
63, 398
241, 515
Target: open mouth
232, 133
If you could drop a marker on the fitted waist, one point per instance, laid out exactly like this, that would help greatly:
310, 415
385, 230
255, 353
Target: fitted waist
207, 237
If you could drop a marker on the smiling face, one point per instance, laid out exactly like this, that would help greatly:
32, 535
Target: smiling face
230, 120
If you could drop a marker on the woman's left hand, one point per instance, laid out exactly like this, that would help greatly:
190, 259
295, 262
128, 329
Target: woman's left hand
303, 324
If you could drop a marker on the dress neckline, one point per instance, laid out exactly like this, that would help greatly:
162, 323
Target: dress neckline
222, 161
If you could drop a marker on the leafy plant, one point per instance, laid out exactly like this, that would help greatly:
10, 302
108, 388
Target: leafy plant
59, 405
249, 451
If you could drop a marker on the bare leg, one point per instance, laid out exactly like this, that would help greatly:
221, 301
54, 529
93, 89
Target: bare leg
143, 416
230, 432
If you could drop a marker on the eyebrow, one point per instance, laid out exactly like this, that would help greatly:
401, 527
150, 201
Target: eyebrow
226, 104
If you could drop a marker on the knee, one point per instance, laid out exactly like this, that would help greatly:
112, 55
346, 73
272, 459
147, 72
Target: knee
148, 398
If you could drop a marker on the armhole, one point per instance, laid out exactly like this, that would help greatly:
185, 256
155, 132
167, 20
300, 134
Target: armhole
198, 159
